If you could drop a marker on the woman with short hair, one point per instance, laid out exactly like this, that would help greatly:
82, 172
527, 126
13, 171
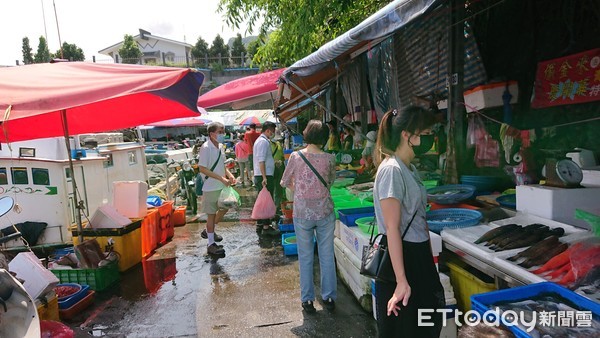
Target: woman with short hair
309, 174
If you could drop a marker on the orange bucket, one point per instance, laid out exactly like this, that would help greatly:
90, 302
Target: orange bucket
287, 208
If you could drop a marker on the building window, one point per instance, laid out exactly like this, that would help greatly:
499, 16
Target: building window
132, 157
19, 175
40, 176
3, 176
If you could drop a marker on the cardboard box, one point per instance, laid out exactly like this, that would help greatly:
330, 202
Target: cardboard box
490, 95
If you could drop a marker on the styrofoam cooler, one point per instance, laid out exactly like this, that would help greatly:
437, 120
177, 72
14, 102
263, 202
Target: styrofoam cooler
38, 279
129, 198
348, 266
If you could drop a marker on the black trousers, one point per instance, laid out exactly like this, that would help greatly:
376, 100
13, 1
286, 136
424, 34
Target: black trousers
426, 293
270, 187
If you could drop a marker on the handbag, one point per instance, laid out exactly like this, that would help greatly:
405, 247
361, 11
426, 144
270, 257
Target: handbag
313, 169
200, 181
376, 262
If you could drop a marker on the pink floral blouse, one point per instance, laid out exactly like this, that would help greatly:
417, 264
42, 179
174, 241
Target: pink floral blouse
312, 200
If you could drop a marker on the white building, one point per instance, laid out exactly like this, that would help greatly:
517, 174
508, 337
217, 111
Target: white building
155, 49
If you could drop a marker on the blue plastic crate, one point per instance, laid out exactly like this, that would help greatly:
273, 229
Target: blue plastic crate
349, 216
286, 227
485, 301
74, 298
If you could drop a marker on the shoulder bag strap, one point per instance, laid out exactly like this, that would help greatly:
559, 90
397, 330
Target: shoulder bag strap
403, 235
313, 169
215, 164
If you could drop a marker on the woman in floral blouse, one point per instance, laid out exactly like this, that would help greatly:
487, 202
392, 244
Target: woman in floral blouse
313, 213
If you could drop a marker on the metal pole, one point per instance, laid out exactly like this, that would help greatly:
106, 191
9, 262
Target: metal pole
58, 30
44, 17
456, 108
74, 184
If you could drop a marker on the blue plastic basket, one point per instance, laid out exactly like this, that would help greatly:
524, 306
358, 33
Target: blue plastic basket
349, 216
450, 194
508, 200
452, 218
485, 301
67, 302
286, 227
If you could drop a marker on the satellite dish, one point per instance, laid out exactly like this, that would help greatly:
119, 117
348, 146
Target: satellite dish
6, 205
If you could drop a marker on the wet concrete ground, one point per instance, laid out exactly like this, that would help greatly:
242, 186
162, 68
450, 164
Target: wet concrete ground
252, 292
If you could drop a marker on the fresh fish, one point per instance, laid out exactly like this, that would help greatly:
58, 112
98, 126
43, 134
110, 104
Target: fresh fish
535, 237
508, 233
526, 232
592, 278
532, 250
544, 256
499, 231
517, 233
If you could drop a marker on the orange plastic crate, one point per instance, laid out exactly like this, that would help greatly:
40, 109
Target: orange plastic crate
150, 232
179, 216
165, 212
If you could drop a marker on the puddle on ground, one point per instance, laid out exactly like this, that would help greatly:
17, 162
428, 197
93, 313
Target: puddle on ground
147, 278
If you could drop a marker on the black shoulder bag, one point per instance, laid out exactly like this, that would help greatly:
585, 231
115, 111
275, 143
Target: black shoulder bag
376, 262
313, 169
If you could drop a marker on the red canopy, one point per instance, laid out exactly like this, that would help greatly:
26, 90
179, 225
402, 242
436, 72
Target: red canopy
96, 97
243, 92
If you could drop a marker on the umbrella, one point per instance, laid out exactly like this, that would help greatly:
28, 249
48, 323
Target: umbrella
252, 119
49, 100
182, 122
243, 92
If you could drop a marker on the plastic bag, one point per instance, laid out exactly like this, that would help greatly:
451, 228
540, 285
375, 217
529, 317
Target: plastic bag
584, 258
264, 207
153, 201
228, 199
487, 152
475, 131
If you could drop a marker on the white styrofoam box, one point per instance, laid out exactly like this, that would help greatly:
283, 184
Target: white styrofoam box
490, 95
591, 177
558, 204
107, 216
445, 280
129, 198
348, 266
354, 239
336, 232
486, 96
38, 279
436, 248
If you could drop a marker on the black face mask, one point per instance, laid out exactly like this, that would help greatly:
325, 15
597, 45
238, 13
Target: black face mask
426, 144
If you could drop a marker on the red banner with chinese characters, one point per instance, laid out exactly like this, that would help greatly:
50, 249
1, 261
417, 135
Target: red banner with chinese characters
568, 80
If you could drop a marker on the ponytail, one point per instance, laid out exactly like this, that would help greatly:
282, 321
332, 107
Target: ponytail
385, 138
411, 119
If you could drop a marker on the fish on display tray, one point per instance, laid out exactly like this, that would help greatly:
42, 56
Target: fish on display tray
514, 236
550, 303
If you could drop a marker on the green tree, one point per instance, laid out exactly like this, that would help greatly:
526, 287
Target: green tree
70, 51
27, 55
43, 54
253, 48
302, 29
199, 52
129, 51
237, 48
219, 48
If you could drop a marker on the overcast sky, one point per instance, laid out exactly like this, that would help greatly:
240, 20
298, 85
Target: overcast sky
94, 25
